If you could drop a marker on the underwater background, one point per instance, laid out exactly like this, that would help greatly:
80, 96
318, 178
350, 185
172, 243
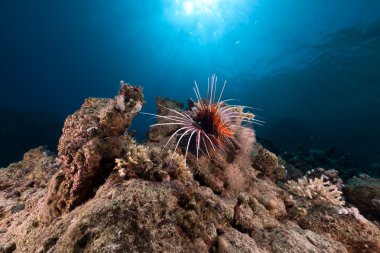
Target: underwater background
311, 67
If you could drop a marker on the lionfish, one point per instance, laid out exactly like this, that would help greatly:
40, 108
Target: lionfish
213, 123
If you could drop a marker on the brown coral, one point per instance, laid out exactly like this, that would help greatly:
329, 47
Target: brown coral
91, 140
269, 164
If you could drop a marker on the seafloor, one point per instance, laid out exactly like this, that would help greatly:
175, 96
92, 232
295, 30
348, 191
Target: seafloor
104, 192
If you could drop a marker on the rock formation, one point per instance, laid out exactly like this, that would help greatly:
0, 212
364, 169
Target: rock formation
364, 192
106, 193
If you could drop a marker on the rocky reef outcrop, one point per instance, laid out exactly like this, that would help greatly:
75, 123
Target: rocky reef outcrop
106, 193
364, 192
92, 138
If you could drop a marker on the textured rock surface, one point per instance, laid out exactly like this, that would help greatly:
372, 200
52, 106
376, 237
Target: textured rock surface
23, 186
291, 238
364, 193
269, 164
154, 202
357, 233
91, 140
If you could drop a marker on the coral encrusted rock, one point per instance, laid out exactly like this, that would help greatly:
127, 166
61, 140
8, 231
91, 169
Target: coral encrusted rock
91, 140
345, 226
364, 193
107, 193
269, 164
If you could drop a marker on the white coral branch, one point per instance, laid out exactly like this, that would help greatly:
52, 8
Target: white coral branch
316, 188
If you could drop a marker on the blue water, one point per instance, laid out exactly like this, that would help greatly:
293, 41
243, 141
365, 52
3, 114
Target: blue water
313, 67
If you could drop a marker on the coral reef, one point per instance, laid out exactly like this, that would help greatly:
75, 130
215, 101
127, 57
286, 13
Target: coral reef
106, 193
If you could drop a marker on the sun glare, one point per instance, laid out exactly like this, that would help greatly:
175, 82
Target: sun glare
207, 19
200, 7
188, 7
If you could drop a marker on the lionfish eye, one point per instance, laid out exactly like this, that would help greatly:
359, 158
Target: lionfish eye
197, 124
